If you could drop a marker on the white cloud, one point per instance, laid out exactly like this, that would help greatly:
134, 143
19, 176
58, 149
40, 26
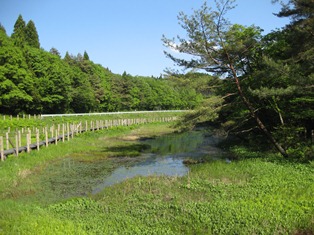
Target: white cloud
174, 47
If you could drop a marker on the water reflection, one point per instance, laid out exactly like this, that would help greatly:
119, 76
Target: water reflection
165, 157
176, 143
150, 166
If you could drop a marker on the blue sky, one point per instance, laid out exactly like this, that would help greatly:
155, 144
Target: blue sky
122, 35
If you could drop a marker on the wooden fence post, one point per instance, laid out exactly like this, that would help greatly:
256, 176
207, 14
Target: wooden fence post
52, 130
72, 131
68, 131
1, 149
37, 138
16, 144
20, 139
56, 137
29, 139
7, 140
62, 132
46, 136
58, 129
27, 142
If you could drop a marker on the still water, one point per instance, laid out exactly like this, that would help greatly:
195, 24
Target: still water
165, 157
162, 155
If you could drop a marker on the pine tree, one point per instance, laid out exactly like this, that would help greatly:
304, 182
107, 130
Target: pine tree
18, 34
85, 56
31, 35
68, 58
298, 35
55, 51
221, 48
2, 28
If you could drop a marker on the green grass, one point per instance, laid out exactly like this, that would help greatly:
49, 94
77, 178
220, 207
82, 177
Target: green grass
18, 123
248, 196
21, 175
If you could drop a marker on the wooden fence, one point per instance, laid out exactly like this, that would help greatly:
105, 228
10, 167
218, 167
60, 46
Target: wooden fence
21, 140
18, 117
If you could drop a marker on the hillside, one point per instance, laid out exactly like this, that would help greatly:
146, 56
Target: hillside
35, 81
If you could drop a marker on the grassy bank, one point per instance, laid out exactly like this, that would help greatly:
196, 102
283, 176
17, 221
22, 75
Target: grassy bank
254, 196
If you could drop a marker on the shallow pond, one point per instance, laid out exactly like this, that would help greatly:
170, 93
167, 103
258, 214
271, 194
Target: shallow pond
165, 157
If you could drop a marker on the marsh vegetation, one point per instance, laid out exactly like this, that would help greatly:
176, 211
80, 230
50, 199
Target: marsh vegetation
51, 192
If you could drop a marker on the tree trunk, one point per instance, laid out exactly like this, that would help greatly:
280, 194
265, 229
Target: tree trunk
255, 116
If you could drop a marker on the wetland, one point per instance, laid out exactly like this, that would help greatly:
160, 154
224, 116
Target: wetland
85, 173
141, 180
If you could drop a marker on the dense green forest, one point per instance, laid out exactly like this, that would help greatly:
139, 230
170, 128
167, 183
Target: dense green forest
35, 81
267, 86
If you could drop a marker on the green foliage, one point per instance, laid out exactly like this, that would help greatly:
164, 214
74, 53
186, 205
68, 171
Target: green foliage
16, 84
35, 81
25, 34
86, 56
249, 196
208, 112
202, 83
53, 81
50, 81
31, 35
213, 42
244, 197
302, 152
285, 75
32, 220
223, 49
2, 29
18, 34
267, 80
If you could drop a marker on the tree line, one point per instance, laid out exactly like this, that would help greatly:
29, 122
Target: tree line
267, 85
35, 81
